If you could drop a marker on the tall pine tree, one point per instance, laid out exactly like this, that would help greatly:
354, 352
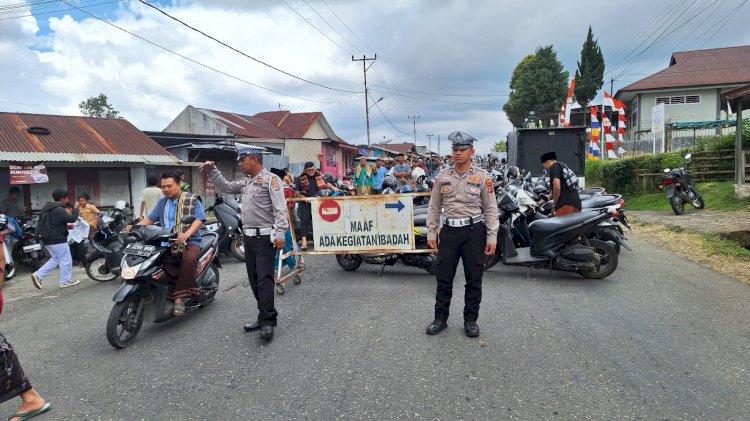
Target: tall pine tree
590, 72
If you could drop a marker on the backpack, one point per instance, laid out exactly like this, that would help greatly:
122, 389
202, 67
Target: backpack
44, 226
571, 180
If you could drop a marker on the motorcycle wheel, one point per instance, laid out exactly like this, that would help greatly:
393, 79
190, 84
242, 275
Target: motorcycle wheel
698, 202
237, 247
10, 273
211, 293
122, 325
678, 206
94, 270
349, 262
608, 258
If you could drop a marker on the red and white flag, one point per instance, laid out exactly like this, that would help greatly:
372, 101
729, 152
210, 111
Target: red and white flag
608, 138
569, 102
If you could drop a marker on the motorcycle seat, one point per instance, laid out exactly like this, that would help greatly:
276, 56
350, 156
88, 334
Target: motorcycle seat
543, 227
601, 201
207, 240
420, 220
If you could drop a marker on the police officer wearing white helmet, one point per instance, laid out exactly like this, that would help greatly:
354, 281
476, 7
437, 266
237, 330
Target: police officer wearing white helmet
466, 197
264, 222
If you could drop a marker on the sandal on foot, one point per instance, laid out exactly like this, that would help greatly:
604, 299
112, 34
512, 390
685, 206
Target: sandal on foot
178, 310
23, 416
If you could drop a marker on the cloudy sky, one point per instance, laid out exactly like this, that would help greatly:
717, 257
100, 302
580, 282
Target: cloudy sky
447, 61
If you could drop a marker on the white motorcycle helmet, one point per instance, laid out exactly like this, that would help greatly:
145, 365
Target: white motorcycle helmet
417, 173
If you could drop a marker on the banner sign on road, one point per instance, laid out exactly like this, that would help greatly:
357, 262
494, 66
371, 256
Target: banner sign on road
363, 223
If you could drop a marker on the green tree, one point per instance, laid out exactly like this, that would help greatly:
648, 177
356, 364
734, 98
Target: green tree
590, 72
97, 106
539, 84
513, 107
501, 146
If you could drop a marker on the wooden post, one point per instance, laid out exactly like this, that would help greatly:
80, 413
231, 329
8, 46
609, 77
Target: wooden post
738, 144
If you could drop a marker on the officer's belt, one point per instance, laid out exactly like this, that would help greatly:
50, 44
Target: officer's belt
463, 222
250, 232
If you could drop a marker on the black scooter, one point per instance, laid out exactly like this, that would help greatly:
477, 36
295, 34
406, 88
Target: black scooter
144, 294
679, 187
103, 263
560, 243
227, 212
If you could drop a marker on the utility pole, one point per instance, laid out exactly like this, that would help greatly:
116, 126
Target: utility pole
415, 118
611, 86
439, 146
429, 143
365, 67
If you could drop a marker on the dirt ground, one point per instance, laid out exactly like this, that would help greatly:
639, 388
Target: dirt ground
706, 221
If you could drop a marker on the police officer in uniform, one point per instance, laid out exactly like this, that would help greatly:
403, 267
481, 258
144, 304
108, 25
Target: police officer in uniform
264, 222
466, 196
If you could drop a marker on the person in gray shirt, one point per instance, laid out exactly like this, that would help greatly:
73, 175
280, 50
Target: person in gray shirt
402, 172
264, 223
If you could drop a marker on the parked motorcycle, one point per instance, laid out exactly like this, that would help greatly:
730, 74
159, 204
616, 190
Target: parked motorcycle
5, 227
561, 243
103, 263
29, 250
144, 294
229, 228
679, 187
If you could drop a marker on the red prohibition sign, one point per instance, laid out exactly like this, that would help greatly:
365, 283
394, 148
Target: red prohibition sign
329, 211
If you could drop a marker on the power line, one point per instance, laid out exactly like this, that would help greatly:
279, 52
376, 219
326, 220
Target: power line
198, 62
316, 28
730, 15
329, 25
347, 26
245, 54
439, 94
50, 12
389, 120
445, 101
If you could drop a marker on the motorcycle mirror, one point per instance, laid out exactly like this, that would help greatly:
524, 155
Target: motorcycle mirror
688, 156
666, 170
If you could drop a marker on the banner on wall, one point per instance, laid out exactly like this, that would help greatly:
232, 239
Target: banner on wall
330, 156
27, 173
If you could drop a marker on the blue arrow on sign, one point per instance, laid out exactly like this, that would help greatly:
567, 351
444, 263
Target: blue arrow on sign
398, 206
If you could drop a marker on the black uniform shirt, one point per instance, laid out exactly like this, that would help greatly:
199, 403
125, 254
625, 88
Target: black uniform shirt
567, 196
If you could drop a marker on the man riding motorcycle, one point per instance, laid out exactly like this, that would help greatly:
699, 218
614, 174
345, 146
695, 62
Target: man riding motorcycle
182, 262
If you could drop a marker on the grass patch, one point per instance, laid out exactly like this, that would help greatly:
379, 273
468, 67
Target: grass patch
719, 254
722, 246
717, 196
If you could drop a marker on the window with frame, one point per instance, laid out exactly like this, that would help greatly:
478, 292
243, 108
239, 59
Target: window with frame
675, 100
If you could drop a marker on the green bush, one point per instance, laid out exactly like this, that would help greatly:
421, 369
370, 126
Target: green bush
715, 143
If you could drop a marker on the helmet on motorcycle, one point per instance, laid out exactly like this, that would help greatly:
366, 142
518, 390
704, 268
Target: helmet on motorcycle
513, 172
417, 173
328, 178
389, 182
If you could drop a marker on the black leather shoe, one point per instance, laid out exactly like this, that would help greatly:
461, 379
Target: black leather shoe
251, 327
471, 328
436, 327
266, 332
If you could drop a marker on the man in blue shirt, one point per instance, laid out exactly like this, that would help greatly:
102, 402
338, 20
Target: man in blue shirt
377, 181
169, 211
402, 172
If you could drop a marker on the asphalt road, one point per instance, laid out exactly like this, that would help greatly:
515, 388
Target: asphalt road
662, 338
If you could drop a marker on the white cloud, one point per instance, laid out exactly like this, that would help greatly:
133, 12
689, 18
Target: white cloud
448, 47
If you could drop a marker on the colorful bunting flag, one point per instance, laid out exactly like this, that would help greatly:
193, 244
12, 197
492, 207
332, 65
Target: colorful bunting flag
594, 151
608, 138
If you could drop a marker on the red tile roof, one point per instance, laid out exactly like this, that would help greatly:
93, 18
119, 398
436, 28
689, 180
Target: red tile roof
719, 66
82, 136
268, 125
397, 147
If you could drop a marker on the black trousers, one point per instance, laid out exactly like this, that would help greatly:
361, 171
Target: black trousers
259, 254
466, 243
305, 218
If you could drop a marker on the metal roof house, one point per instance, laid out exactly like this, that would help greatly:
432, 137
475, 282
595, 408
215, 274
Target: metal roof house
299, 137
105, 158
690, 89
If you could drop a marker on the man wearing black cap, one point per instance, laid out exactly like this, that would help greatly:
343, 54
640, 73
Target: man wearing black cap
566, 200
467, 199
264, 223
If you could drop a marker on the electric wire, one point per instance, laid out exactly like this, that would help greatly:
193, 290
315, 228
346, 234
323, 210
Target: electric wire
198, 62
243, 53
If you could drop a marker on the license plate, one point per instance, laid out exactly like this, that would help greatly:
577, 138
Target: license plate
139, 249
33, 247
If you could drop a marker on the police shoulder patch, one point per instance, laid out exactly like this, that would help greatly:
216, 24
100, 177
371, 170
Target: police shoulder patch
490, 188
275, 186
